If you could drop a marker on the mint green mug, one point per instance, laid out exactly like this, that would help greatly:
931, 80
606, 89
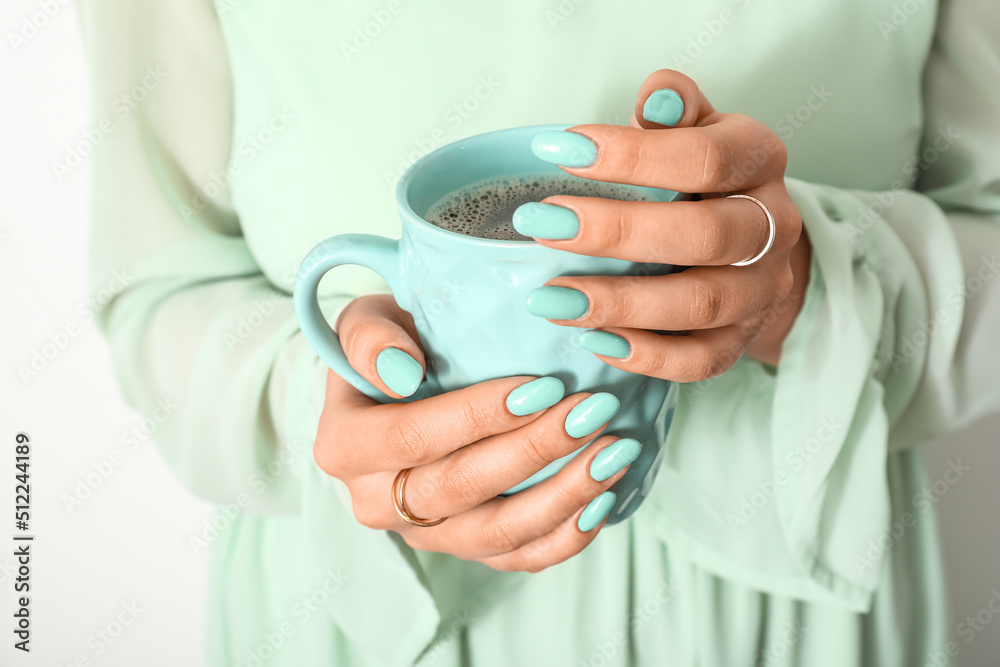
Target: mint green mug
467, 297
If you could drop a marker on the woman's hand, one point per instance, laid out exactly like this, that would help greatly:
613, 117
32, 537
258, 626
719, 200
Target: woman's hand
677, 142
465, 447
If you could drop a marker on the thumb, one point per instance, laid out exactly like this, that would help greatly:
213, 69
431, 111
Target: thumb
381, 343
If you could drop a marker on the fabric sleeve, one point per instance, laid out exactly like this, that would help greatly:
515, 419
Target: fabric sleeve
197, 331
777, 477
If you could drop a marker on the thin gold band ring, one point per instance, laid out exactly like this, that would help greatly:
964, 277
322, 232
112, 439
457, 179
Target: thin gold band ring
399, 502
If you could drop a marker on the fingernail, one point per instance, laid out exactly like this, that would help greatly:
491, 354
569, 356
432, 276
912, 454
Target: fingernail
591, 413
569, 149
557, 303
597, 511
536, 395
664, 106
605, 343
614, 457
399, 371
546, 221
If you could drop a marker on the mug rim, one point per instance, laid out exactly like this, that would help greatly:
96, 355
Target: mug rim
402, 189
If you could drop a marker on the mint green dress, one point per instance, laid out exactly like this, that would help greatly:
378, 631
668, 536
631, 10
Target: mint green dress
791, 523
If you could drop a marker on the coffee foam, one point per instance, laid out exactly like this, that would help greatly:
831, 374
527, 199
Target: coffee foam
486, 209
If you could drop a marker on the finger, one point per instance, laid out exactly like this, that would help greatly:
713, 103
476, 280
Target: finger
697, 355
379, 339
702, 297
406, 435
483, 470
684, 233
736, 153
503, 525
566, 541
668, 98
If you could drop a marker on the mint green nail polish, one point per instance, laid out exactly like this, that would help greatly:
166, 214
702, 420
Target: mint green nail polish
614, 457
568, 149
596, 511
536, 395
591, 413
605, 343
546, 221
557, 303
664, 106
399, 371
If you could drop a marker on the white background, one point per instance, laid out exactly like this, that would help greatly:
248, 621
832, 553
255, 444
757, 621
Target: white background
127, 543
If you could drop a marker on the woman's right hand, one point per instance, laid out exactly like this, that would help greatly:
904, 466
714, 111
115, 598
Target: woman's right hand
465, 448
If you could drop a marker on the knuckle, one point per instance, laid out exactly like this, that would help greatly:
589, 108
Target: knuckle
715, 160
618, 233
367, 515
566, 498
715, 237
622, 301
407, 440
462, 482
326, 458
784, 283
499, 536
706, 303
658, 365
705, 363
473, 415
534, 447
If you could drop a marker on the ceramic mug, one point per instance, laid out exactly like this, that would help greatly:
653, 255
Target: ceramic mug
467, 298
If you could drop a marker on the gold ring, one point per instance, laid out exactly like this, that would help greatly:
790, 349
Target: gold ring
398, 502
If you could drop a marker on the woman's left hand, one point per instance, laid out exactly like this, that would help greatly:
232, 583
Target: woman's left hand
678, 142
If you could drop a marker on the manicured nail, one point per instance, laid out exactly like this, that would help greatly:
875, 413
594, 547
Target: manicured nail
614, 457
664, 106
569, 149
557, 303
399, 371
536, 395
605, 343
546, 221
597, 511
591, 413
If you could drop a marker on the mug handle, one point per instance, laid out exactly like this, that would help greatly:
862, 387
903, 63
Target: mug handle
379, 254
